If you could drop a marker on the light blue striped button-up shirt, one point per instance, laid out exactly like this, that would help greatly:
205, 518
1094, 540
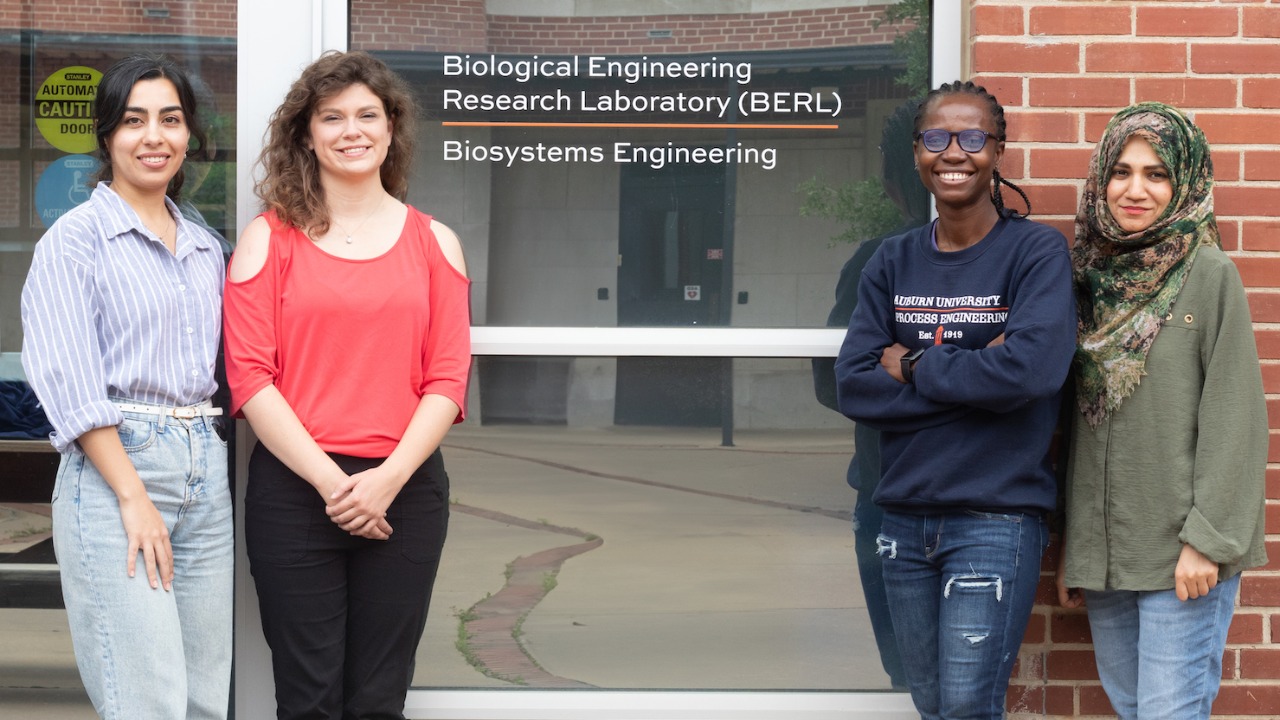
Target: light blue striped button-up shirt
108, 312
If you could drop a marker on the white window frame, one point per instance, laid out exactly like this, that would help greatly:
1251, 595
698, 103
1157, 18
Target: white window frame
273, 47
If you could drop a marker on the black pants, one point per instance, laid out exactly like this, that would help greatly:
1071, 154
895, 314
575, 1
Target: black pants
342, 614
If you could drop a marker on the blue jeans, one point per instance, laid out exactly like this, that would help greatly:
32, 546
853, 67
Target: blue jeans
1160, 657
143, 652
960, 588
866, 528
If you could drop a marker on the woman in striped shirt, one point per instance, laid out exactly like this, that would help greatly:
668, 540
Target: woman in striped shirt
121, 313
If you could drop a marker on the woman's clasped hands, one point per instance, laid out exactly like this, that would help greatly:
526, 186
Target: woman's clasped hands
358, 503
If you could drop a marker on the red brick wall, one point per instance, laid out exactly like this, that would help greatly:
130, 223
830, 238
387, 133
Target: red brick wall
10, 117
1061, 69
459, 25
453, 25
789, 30
206, 18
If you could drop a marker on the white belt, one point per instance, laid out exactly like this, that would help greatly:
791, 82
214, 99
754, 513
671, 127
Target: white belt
205, 408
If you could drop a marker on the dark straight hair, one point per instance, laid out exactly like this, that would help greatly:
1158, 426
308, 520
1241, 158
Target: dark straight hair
113, 98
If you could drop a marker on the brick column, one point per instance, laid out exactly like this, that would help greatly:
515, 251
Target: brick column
1061, 69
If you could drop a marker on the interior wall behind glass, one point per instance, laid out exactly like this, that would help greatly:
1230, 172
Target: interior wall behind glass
641, 164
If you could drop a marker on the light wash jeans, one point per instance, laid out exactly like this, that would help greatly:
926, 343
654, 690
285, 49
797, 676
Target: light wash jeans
960, 588
1160, 657
143, 652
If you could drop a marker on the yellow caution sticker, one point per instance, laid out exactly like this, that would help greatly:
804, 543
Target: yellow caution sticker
64, 108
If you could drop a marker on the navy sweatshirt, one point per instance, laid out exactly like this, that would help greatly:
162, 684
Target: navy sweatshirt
973, 429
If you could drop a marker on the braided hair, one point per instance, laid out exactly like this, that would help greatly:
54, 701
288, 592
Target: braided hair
968, 87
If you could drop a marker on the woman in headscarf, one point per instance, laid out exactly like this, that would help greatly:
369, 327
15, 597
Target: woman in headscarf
1166, 490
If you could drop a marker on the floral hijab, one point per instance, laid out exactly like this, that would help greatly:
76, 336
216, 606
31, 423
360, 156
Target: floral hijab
1127, 282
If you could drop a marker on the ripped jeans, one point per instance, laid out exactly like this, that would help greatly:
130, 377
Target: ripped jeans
960, 587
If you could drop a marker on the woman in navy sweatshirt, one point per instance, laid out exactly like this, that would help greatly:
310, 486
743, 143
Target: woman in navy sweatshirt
957, 352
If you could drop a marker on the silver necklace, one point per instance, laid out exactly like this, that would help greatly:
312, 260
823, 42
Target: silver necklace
350, 238
166, 226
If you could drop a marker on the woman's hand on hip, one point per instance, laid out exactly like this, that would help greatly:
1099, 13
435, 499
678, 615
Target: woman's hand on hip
1195, 574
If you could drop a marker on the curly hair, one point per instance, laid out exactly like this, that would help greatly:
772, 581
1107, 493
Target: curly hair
968, 87
112, 100
290, 183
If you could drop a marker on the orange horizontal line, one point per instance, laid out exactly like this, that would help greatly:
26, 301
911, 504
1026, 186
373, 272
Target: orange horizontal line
954, 309
695, 126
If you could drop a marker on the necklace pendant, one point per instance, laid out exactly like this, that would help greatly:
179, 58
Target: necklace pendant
349, 241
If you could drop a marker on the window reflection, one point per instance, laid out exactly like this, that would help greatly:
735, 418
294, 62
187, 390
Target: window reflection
691, 514
47, 158
590, 553
644, 167
51, 55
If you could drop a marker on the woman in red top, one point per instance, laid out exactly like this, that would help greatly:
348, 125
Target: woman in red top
347, 344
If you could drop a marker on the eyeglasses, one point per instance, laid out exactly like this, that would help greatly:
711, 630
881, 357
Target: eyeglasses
971, 141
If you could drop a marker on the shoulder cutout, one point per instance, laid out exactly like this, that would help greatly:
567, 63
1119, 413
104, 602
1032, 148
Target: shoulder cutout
449, 245
251, 252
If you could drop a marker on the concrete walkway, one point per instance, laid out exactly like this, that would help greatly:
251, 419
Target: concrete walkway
719, 568
619, 558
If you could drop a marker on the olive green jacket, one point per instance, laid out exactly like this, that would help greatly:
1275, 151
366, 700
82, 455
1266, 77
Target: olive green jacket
1183, 459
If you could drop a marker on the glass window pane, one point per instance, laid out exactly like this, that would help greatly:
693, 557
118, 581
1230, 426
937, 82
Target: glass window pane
668, 164
51, 56
650, 523
729, 194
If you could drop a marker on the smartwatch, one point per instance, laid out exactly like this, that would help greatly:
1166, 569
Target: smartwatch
907, 361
